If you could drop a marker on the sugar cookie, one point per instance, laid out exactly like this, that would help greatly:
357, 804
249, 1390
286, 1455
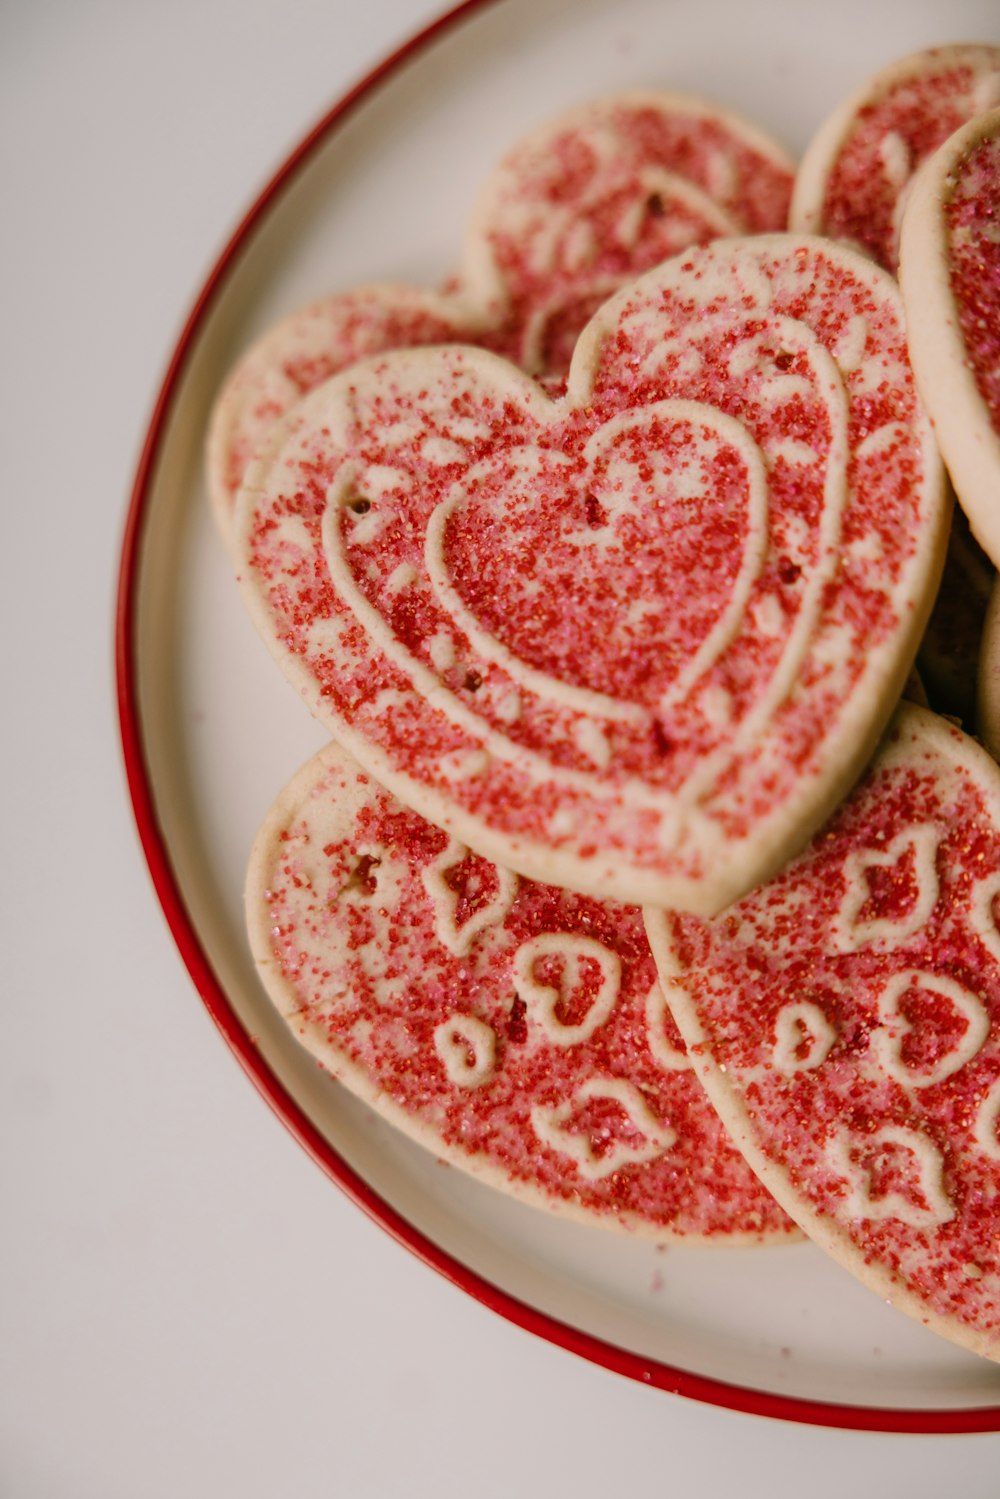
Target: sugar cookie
603, 193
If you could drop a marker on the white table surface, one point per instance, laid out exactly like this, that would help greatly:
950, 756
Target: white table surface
189, 1306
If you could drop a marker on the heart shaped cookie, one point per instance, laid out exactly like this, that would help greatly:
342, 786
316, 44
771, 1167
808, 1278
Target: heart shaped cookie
639, 640
854, 180
515, 1030
576, 208
950, 277
845, 1019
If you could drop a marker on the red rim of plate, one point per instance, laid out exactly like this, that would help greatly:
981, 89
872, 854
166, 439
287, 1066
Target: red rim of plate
184, 931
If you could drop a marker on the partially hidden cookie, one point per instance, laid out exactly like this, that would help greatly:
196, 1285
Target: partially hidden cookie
950, 277
949, 653
988, 676
845, 1020
599, 195
637, 641
855, 177
302, 351
576, 208
515, 1030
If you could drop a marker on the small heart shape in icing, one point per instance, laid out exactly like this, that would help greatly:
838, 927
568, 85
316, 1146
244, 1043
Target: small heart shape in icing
862, 1082
890, 892
639, 639
525, 1051
569, 985
606, 1125
930, 1026
468, 894
893, 1173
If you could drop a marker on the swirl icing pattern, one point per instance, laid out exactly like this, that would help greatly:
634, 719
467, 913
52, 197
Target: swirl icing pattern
476, 586
526, 1053
862, 1081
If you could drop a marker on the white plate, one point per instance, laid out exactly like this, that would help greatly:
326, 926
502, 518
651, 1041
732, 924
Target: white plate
212, 732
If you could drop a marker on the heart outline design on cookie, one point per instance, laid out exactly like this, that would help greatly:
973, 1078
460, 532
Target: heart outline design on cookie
542, 1000
550, 1123
349, 483
851, 933
724, 429
926, 1174
890, 1035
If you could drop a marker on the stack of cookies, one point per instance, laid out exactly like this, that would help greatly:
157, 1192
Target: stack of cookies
628, 883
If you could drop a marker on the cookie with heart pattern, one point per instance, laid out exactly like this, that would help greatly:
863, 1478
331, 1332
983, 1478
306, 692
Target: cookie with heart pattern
637, 641
950, 277
856, 175
515, 1030
577, 207
845, 1020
